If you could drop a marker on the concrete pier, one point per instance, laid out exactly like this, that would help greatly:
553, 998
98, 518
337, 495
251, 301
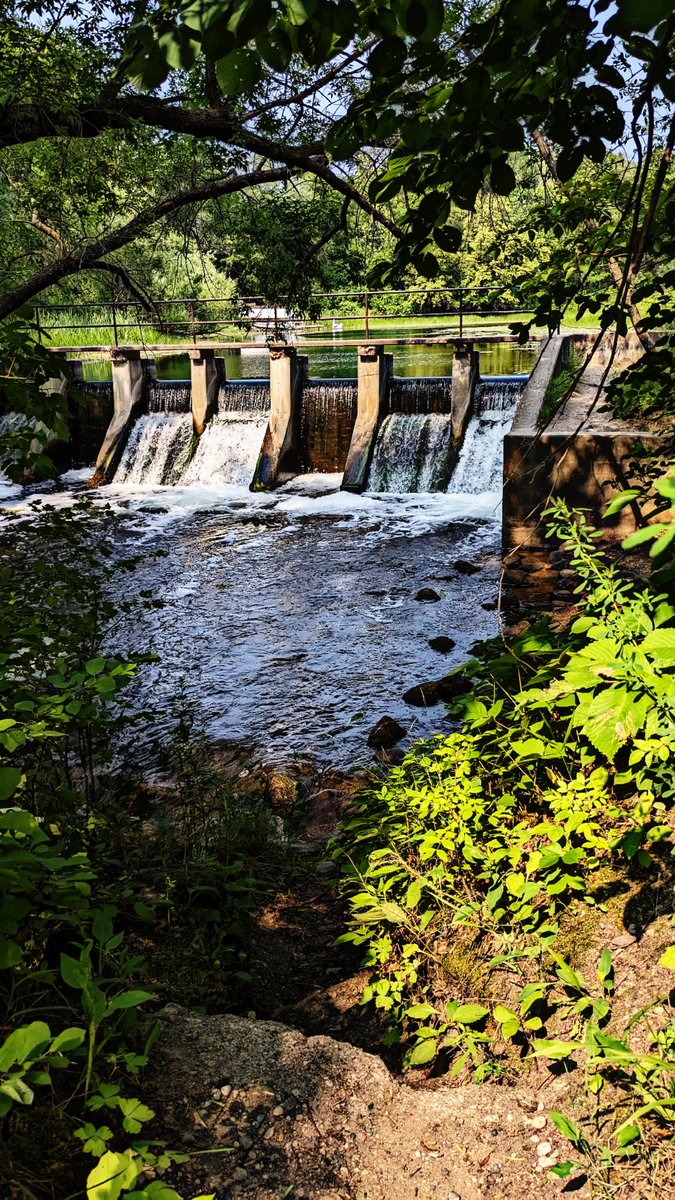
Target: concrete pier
374, 369
129, 394
465, 376
207, 373
280, 454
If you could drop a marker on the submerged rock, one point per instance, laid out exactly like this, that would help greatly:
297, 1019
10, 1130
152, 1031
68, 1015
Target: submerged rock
386, 733
428, 594
443, 645
465, 567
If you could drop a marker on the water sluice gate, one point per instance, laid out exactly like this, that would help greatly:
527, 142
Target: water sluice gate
384, 433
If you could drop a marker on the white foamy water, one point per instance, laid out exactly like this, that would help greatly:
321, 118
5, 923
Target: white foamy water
157, 450
227, 453
412, 453
480, 466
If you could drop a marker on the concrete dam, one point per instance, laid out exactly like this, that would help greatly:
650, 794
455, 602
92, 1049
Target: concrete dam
382, 432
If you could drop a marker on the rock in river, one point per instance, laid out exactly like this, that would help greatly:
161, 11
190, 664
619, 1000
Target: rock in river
465, 567
423, 695
428, 594
386, 733
443, 645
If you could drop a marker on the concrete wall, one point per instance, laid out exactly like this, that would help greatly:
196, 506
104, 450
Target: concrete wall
581, 456
280, 453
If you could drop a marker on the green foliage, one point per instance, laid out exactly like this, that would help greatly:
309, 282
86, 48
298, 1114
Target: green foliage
563, 763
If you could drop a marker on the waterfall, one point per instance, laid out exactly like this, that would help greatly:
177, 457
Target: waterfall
168, 395
480, 464
413, 453
158, 449
327, 415
244, 396
432, 394
227, 452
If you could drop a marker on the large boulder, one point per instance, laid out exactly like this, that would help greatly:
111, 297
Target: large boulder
386, 733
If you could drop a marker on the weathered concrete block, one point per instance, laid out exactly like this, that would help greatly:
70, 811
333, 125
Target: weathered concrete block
206, 373
280, 452
373, 376
129, 396
465, 375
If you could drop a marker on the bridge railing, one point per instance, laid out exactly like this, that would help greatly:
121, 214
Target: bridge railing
198, 319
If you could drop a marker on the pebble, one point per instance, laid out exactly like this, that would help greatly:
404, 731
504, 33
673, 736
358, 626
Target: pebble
245, 1141
267, 1134
240, 1174
550, 1161
278, 1111
544, 1149
225, 1091
538, 1122
454, 1196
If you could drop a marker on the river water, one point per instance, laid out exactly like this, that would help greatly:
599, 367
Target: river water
290, 621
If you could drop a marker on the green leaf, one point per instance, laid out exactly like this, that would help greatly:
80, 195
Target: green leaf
660, 643
469, 1014
112, 1173
238, 72
668, 959
10, 778
423, 1052
502, 1014
22, 1043
554, 1048
74, 973
128, 1000
420, 1011
10, 953
564, 1170
567, 1127
95, 666
627, 1134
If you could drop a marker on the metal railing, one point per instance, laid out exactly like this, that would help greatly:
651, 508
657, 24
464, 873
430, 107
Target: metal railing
195, 316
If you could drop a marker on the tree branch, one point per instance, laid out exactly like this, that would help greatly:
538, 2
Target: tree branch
95, 252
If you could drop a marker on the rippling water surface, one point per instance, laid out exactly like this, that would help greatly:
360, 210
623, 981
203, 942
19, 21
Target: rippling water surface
290, 620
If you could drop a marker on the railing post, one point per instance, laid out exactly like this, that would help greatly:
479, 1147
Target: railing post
113, 309
461, 312
37, 324
367, 313
193, 319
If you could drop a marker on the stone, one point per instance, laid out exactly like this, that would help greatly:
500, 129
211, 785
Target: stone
544, 1149
386, 733
240, 1174
453, 685
489, 605
465, 567
442, 645
281, 793
538, 1122
422, 695
391, 758
428, 594
326, 868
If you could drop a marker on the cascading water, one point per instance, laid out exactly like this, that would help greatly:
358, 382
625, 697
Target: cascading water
228, 449
480, 464
420, 395
227, 452
413, 453
158, 449
244, 396
168, 395
327, 416
160, 446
